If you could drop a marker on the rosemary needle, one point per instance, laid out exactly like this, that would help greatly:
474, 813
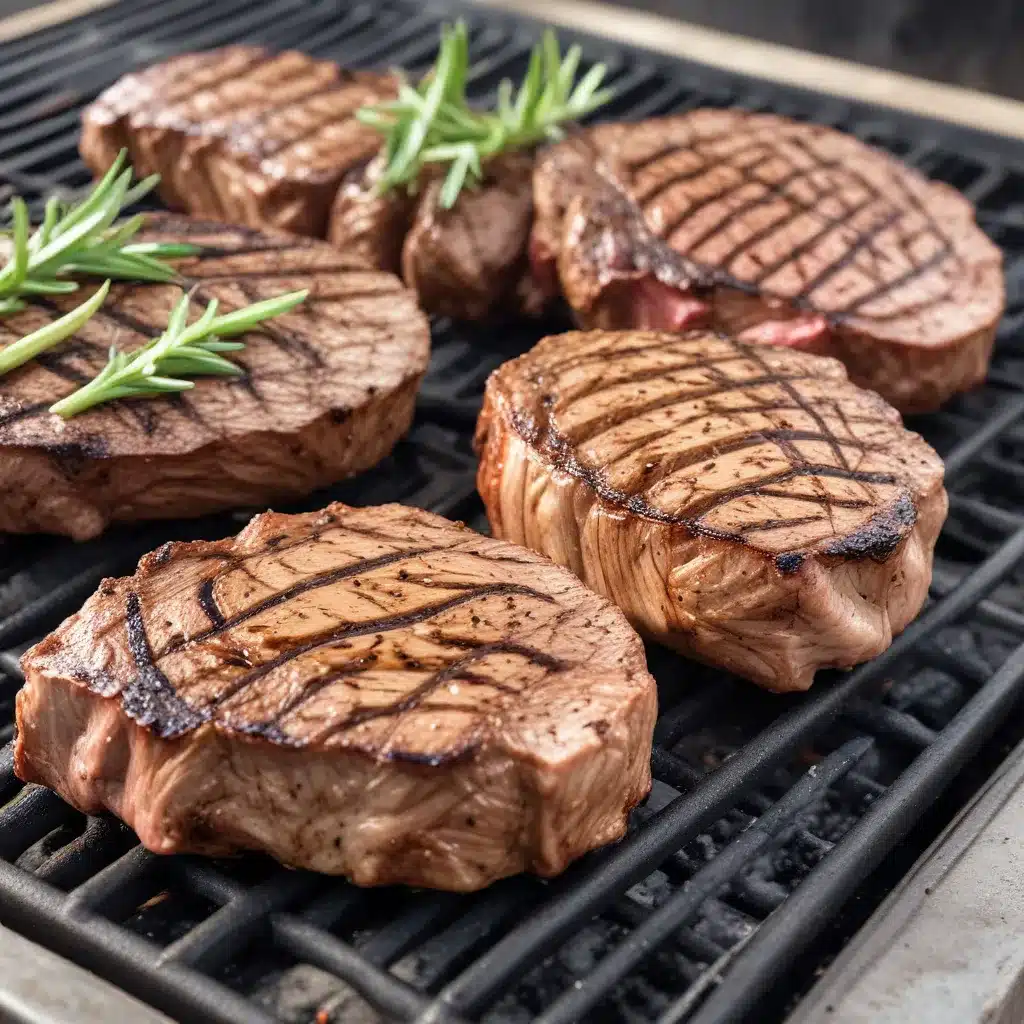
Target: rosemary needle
24, 349
83, 239
433, 124
183, 350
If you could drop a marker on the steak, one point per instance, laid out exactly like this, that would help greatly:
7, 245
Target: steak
469, 262
746, 505
326, 392
775, 232
373, 692
241, 134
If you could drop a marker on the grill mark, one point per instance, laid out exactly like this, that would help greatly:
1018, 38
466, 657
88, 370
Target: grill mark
778, 189
213, 252
830, 225
437, 679
657, 435
716, 449
288, 341
778, 524
208, 602
23, 413
304, 586
149, 698
723, 497
271, 726
888, 287
277, 146
55, 365
383, 624
606, 423
707, 165
852, 503
858, 244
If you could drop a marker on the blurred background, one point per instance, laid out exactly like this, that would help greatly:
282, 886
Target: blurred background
979, 44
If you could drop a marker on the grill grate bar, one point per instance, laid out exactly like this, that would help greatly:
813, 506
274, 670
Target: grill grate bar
685, 903
803, 915
321, 949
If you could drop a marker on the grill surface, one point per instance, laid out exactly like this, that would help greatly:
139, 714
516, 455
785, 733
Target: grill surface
768, 813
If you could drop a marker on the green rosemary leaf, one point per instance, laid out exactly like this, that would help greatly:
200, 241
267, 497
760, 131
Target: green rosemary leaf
84, 239
24, 349
184, 350
432, 124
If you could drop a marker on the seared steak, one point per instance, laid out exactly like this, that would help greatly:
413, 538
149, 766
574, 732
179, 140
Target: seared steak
777, 232
372, 692
240, 134
328, 389
469, 262
743, 504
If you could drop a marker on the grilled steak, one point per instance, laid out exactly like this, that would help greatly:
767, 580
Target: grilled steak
373, 692
743, 504
777, 232
240, 134
328, 389
469, 262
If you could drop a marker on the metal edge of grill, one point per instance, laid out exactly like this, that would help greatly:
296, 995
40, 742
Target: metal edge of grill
728, 873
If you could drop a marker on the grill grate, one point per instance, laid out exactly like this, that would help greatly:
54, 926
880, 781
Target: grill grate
767, 813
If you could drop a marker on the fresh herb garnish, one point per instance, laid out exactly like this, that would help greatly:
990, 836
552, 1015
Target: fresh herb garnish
82, 239
183, 350
432, 123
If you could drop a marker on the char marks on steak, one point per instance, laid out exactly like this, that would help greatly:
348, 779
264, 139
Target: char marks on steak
372, 692
469, 262
776, 232
327, 390
744, 504
241, 134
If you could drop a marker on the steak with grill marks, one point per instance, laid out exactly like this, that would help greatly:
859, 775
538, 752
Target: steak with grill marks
241, 134
776, 232
469, 262
744, 504
373, 692
327, 390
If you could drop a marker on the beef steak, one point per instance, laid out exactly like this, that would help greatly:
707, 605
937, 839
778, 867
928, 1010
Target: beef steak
776, 232
744, 504
372, 692
240, 134
328, 389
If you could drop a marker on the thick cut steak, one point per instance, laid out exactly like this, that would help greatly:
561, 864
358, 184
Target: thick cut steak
469, 262
746, 505
327, 391
241, 134
372, 692
776, 232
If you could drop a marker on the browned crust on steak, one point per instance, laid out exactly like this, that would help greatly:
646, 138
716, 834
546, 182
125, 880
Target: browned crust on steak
767, 219
328, 390
240, 133
710, 488
342, 655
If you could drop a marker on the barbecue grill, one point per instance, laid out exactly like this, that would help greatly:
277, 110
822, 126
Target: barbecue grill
775, 825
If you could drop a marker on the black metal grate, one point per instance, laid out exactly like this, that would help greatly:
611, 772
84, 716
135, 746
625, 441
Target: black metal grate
767, 814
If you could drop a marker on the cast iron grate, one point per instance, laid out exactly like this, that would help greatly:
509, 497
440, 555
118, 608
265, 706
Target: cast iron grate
767, 814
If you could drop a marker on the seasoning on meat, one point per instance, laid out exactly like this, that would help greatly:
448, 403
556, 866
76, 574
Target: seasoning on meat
372, 692
744, 504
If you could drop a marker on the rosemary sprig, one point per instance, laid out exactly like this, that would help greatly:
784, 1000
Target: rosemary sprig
183, 350
432, 122
83, 239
